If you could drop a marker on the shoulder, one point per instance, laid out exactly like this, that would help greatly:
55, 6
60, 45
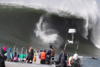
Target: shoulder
20, 54
53, 50
60, 55
78, 59
49, 50
31, 49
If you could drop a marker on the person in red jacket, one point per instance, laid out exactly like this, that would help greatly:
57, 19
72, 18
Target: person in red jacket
43, 57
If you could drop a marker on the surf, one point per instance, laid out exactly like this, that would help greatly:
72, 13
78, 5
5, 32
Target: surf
87, 9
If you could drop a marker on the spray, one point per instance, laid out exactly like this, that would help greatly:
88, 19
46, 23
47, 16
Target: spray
46, 34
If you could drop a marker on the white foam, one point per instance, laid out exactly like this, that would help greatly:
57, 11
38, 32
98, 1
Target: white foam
47, 35
88, 9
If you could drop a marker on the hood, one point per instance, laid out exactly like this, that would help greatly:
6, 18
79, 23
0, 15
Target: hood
75, 56
3, 51
9, 49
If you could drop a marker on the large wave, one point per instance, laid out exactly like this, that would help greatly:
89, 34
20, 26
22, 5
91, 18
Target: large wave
87, 9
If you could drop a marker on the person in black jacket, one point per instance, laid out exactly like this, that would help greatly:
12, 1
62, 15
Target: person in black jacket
30, 55
3, 52
3, 57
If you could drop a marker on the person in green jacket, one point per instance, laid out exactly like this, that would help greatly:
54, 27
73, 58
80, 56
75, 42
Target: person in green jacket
22, 57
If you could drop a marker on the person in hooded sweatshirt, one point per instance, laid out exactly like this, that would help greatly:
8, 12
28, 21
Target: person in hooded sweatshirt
9, 55
30, 55
75, 61
2, 57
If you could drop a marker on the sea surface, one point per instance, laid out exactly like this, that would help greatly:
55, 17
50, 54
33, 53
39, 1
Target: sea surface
88, 62
40, 24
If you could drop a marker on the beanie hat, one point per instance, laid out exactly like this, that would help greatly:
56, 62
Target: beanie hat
4, 48
50, 46
9, 49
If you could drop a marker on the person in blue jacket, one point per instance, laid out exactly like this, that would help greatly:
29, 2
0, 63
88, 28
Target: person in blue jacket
62, 59
49, 55
9, 55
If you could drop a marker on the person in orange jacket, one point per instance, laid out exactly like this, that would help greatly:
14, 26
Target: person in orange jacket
43, 57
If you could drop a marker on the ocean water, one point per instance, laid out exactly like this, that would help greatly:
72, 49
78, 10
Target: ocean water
18, 26
41, 23
88, 62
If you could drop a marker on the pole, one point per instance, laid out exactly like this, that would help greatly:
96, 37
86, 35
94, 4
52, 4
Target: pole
17, 50
14, 49
72, 36
65, 46
26, 52
77, 47
22, 49
77, 43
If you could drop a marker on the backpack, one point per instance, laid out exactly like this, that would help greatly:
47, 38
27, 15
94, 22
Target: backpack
52, 52
15, 58
34, 59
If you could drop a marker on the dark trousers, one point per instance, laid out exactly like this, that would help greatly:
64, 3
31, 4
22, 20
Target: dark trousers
63, 64
48, 60
2, 63
42, 61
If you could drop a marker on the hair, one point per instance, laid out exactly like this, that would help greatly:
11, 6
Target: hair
15, 53
51, 46
62, 52
40, 50
30, 49
44, 50
22, 52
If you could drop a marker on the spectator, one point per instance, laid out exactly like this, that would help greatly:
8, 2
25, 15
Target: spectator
43, 57
9, 55
22, 57
30, 55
